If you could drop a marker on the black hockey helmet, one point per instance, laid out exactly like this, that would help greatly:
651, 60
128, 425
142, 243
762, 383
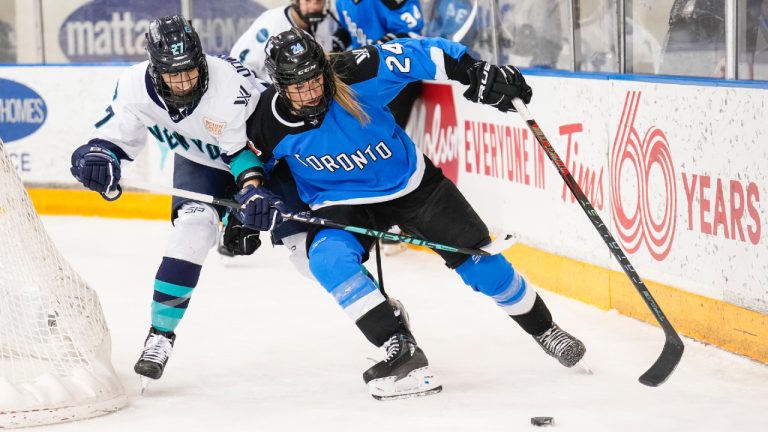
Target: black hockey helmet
310, 18
294, 57
173, 46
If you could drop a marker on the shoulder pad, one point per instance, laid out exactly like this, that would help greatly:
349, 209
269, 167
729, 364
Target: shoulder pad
357, 65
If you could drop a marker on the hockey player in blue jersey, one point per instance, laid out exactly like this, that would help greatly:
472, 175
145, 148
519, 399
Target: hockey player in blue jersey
198, 106
326, 119
379, 21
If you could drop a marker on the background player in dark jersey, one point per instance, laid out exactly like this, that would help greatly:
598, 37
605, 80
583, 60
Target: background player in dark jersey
327, 121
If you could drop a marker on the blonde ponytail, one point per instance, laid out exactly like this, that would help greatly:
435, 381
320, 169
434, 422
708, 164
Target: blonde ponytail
347, 98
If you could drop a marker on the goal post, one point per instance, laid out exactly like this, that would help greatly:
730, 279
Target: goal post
55, 348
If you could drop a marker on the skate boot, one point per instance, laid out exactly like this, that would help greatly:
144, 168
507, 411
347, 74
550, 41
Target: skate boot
561, 345
157, 349
403, 373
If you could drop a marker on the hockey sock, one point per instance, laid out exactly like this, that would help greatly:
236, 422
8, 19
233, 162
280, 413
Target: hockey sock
495, 277
537, 320
174, 283
334, 259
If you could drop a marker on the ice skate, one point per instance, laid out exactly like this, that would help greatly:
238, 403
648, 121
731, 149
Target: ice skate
403, 373
157, 350
562, 345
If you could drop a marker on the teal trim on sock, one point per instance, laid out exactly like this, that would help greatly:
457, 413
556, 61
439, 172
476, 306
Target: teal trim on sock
166, 318
173, 289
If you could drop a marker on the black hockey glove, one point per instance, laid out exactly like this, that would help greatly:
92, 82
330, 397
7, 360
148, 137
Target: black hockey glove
98, 169
260, 208
238, 239
497, 86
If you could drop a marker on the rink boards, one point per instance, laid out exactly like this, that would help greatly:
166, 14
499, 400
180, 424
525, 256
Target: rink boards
672, 166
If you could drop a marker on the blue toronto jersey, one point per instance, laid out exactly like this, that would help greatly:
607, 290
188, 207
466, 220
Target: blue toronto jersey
339, 160
368, 20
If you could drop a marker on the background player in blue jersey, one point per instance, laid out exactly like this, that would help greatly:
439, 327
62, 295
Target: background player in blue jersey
198, 106
327, 121
378, 21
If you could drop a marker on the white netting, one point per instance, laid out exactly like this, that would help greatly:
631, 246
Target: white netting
54, 343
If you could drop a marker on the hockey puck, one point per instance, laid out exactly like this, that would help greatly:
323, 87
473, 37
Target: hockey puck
542, 421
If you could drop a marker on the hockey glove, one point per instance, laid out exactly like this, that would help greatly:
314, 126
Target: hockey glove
497, 86
239, 239
260, 209
98, 169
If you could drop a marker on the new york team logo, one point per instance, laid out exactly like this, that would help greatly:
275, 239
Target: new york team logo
434, 128
643, 189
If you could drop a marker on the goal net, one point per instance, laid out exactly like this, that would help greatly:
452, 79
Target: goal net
54, 343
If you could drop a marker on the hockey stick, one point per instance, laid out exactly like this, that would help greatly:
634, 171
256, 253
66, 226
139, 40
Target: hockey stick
494, 248
673, 346
464, 29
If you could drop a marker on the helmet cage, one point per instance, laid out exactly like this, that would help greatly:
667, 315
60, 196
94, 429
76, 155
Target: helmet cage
294, 57
173, 47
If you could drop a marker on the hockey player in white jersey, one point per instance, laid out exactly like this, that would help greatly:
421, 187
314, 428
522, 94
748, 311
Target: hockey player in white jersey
197, 105
311, 16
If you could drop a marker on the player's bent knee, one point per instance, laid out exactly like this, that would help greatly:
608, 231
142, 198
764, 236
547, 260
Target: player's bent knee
195, 231
489, 275
334, 257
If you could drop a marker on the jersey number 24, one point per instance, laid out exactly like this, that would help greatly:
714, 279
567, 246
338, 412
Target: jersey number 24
393, 62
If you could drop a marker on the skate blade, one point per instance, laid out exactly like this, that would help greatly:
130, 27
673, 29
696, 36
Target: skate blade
144, 384
437, 389
419, 382
585, 368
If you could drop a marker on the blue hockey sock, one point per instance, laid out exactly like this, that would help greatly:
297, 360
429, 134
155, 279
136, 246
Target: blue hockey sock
335, 260
495, 277
174, 283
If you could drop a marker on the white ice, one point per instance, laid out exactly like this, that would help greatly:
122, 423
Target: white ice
263, 349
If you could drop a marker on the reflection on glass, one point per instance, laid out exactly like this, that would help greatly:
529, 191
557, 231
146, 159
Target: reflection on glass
535, 33
220, 23
596, 36
752, 39
695, 39
447, 17
645, 27
8, 31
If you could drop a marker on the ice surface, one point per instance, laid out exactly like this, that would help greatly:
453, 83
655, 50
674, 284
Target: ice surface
263, 349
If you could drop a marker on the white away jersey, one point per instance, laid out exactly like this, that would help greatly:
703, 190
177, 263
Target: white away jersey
215, 128
249, 49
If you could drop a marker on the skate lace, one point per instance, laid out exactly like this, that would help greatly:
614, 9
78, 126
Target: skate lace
157, 349
393, 348
555, 340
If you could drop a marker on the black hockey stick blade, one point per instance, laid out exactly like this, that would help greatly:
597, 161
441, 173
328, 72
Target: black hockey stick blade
666, 363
